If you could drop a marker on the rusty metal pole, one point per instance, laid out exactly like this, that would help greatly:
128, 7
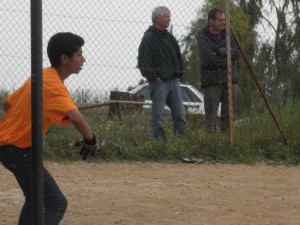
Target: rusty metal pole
254, 75
229, 74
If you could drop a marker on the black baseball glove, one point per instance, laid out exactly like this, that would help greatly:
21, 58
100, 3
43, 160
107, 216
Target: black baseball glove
88, 147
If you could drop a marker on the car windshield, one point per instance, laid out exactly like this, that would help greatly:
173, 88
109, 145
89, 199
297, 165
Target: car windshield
145, 92
187, 94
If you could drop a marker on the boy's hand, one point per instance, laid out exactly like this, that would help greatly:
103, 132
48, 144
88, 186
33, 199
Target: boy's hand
88, 146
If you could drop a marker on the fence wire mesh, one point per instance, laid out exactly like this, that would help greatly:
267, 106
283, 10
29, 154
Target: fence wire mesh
268, 32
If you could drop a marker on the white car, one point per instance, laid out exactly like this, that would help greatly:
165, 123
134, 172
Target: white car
193, 99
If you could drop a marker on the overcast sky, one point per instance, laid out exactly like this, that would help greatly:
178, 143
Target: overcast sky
112, 30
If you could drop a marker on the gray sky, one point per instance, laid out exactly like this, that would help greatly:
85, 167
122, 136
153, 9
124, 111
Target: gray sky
112, 30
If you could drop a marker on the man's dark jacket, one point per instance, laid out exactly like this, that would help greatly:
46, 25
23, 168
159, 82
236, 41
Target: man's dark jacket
213, 58
159, 55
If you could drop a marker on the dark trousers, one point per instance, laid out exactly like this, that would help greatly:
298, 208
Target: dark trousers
213, 96
19, 162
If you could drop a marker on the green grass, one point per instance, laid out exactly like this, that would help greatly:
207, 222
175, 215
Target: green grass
256, 139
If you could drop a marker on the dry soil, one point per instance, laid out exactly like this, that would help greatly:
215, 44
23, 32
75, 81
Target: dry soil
135, 193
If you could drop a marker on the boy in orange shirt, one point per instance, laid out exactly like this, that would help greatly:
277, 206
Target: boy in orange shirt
65, 54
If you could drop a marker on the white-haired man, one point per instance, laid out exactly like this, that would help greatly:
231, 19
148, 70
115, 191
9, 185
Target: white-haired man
160, 62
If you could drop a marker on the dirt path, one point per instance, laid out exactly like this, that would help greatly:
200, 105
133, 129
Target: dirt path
167, 194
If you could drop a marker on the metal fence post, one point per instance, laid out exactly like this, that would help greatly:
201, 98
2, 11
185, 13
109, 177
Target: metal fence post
37, 113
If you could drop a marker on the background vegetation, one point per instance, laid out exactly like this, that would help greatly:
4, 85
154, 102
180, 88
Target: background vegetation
274, 55
276, 59
256, 139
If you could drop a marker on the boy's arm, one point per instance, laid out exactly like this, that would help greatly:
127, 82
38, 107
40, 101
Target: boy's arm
80, 124
89, 142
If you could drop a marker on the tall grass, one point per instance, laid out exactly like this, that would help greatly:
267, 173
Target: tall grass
256, 138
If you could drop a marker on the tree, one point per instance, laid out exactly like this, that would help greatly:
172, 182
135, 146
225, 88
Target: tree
241, 23
281, 73
275, 55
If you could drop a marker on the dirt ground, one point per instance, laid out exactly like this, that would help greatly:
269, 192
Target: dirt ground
167, 194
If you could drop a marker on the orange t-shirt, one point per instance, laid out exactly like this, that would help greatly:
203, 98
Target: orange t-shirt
15, 126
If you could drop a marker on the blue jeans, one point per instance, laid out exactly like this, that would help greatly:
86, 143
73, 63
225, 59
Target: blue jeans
19, 162
162, 93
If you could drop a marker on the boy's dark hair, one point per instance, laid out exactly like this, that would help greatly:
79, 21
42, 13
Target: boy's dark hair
212, 14
64, 43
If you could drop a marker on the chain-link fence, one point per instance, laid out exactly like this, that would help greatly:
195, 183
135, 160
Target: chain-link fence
268, 32
112, 31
